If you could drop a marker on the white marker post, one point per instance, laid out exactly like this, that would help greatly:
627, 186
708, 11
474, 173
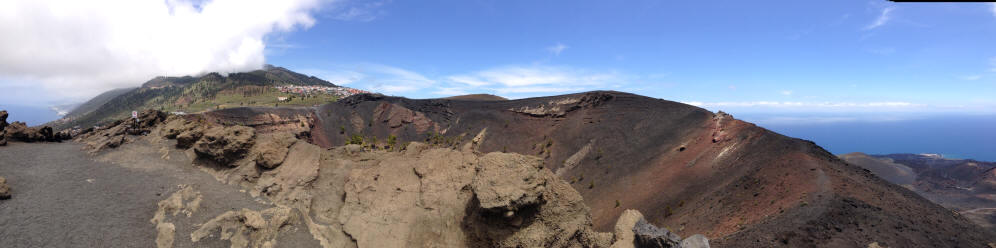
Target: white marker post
134, 115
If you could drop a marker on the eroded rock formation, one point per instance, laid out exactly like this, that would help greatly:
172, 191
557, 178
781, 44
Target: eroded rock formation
351, 196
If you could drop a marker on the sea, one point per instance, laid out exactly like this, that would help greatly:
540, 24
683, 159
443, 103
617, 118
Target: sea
32, 115
960, 136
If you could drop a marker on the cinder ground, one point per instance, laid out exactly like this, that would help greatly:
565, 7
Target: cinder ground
63, 197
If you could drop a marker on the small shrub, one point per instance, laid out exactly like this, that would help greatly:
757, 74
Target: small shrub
356, 139
617, 204
591, 185
392, 140
342, 129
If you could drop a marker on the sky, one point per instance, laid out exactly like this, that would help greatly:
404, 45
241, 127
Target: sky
877, 58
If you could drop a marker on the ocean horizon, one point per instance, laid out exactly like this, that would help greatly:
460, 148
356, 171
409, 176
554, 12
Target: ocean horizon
950, 135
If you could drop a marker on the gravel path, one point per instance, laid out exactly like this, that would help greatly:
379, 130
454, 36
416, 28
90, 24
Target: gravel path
63, 197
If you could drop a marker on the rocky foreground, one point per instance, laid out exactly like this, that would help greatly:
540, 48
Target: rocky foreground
406, 195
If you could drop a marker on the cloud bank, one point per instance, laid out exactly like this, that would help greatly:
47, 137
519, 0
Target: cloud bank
80, 48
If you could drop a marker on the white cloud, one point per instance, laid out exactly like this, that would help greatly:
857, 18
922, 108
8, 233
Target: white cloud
535, 79
469, 80
391, 80
992, 64
335, 76
993, 8
786, 92
79, 48
557, 49
882, 19
359, 11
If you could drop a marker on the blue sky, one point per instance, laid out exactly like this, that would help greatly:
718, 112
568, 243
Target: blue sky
737, 56
745, 55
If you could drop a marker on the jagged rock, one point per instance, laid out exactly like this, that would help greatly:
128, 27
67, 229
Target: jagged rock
695, 241
3, 127
509, 182
632, 230
649, 236
187, 138
3, 119
176, 125
225, 145
247, 228
271, 149
19, 131
522, 204
624, 237
4, 189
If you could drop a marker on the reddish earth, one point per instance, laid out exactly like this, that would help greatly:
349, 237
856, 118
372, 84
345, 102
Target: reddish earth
684, 167
963, 185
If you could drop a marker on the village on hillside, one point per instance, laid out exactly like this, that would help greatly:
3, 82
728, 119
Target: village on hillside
337, 91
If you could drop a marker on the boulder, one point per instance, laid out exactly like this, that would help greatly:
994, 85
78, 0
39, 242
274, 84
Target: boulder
649, 236
508, 182
176, 125
271, 149
695, 241
3, 119
624, 228
19, 131
3, 137
187, 138
225, 145
4, 190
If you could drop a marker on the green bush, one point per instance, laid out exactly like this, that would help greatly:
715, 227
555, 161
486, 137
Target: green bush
391, 141
356, 139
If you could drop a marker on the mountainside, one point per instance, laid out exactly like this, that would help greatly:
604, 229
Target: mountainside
963, 185
96, 102
271, 86
684, 167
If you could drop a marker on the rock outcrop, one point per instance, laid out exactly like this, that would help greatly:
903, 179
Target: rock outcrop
4, 189
3, 127
632, 230
117, 133
650, 236
272, 149
19, 131
225, 145
351, 196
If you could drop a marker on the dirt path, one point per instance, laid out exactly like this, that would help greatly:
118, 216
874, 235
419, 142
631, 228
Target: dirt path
63, 197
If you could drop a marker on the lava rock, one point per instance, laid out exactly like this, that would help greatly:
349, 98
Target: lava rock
271, 150
3, 119
650, 236
508, 182
4, 190
695, 241
225, 145
187, 138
